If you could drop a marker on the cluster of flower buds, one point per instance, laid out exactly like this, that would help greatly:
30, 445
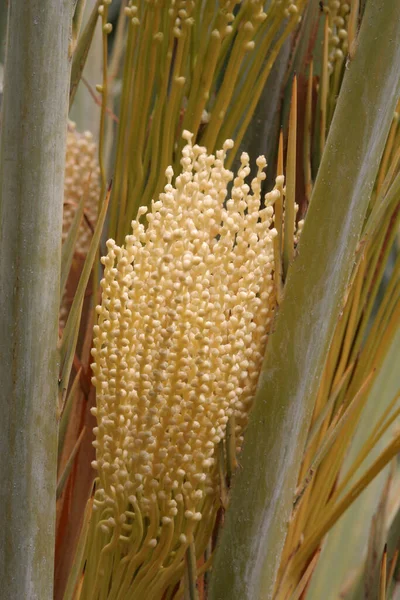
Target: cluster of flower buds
185, 313
338, 12
81, 184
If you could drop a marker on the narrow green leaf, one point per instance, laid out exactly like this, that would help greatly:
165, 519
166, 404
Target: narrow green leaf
323, 96
331, 436
190, 589
223, 488
67, 469
79, 557
333, 513
68, 247
66, 364
328, 406
381, 206
346, 543
248, 556
298, 592
77, 21
393, 536
307, 134
383, 568
231, 462
66, 412
288, 236
81, 52
377, 536
70, 333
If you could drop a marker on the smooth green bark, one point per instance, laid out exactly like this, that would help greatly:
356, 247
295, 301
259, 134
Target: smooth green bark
252, 539
32, 158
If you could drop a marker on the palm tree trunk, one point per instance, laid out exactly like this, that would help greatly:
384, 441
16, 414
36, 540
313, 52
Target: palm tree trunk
32, 155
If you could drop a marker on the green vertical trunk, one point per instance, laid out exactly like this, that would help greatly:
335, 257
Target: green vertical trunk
32, 159
249, 553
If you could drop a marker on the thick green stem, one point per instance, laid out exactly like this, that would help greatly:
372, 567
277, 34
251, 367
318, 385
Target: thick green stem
249, 552
32, 158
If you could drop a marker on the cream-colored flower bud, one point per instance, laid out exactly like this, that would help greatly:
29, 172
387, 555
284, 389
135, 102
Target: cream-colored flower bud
81, 184
182, 327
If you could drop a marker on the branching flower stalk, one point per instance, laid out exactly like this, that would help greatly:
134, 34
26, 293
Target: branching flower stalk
187, 305
341, 25
198, 66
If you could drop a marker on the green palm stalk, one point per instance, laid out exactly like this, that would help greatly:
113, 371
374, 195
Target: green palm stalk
360, 342
33, 138
248, 559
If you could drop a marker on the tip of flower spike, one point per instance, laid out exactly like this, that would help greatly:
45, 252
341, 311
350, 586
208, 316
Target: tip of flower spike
187, 135
205, 117
261, 162
142, 210
169, 173
228, 144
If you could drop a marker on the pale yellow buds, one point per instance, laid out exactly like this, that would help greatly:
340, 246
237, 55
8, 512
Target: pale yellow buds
81, 184
182, 327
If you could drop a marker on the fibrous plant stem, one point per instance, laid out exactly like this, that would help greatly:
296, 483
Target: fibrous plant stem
34, 127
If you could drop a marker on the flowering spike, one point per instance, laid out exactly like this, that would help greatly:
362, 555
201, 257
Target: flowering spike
182, 328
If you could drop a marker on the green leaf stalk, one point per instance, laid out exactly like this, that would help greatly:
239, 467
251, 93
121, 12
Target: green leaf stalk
34, 117
253, 536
